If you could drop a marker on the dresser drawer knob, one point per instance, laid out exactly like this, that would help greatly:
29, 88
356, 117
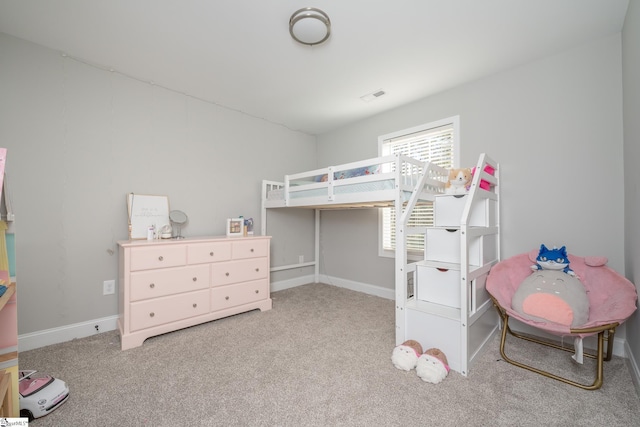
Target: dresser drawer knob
257, 269
257, 291
251, 249
226, 274
227, 298
152, 285
195, 305
211, 253
152, 314
195, 279
160, 258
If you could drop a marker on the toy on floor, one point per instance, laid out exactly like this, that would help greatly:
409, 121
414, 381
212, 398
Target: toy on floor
40, 394
405, 356
432, 366
459, 181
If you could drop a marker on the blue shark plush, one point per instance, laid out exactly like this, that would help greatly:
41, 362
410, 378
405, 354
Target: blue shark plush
553, 259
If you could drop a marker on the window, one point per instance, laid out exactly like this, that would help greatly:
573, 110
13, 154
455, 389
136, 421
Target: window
435, 142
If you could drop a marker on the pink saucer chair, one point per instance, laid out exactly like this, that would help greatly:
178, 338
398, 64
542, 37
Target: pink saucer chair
612, 299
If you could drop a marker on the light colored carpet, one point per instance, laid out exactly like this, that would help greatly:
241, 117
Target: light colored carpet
320, 357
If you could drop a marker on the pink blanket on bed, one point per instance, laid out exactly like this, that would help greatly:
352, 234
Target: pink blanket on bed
612, 297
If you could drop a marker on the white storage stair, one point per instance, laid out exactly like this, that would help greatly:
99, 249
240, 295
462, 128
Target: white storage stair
444, 303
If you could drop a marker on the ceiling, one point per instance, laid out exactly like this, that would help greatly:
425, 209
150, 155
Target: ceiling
238, 53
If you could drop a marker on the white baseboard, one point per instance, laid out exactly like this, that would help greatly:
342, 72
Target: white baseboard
634, 369
47, 337
366, 288
620, 347
281, 285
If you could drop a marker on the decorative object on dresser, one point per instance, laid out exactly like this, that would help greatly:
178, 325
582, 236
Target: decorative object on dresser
168, 285
178, 218
235, 227
248, 225
146, 211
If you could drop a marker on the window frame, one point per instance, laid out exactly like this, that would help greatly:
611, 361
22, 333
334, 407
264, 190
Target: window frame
454, 122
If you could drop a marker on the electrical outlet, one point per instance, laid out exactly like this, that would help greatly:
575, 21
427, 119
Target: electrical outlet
109, 287
301, 259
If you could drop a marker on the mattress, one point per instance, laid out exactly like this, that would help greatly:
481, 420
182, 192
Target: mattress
362, 187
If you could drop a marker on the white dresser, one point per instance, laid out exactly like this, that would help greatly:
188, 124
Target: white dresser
167, 285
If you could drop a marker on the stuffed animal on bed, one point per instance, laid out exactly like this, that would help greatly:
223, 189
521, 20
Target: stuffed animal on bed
553, 259
350, 173
432, 366
405, 356
459, 181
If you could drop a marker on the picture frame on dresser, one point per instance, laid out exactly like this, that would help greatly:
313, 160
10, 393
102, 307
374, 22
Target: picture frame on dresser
144, 211
235, 227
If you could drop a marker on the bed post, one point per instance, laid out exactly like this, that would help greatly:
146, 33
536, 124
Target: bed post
263, 210
400, 261
317, 247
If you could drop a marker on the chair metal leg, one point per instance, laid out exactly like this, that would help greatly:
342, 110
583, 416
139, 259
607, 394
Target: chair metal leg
599, 356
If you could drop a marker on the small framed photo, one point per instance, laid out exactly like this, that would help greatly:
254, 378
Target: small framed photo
235, 227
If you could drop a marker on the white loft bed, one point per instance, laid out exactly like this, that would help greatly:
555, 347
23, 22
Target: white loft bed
404, 183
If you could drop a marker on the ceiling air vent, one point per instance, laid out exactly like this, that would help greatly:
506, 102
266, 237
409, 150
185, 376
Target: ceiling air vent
371, 96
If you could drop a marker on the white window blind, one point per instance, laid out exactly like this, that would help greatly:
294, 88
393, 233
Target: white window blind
434, 142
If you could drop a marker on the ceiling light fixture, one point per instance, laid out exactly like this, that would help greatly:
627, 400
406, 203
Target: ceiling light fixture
309, 26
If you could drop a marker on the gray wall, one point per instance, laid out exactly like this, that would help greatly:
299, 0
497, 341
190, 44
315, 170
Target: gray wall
79, 138
631, 85
555, 126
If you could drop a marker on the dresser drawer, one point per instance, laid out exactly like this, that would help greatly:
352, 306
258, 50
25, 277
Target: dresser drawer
145, 314
158, 283
242, 293
152, 257
242, 249
229, 272
200, 253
